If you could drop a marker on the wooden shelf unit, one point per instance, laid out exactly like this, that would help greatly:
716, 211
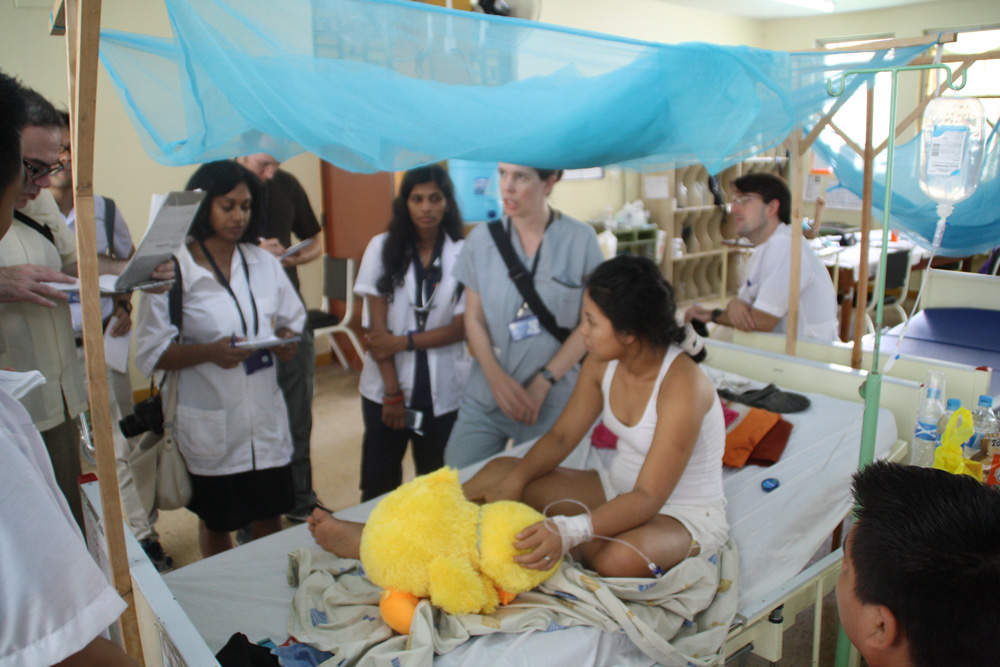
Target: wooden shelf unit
707, 268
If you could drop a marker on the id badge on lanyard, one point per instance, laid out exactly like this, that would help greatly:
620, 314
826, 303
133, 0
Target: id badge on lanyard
525, 324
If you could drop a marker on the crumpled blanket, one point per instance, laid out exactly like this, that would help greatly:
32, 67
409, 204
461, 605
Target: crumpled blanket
679, 620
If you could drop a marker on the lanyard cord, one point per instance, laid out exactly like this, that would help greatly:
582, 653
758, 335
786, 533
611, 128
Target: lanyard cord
225, 283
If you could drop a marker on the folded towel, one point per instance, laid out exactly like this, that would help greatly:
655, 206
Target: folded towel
769, 450
745, 436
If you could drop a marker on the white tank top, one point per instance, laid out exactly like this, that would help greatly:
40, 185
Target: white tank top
701, 482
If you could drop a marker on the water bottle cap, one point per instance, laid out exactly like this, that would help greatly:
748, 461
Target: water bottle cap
986, 401
954, 403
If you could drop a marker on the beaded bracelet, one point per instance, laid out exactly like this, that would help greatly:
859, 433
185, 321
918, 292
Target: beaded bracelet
393, 399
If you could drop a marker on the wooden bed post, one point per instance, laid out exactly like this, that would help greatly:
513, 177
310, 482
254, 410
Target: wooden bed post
82, 30
796, 178
861, 290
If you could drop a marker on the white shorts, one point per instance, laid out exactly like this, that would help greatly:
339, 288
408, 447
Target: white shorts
706, 523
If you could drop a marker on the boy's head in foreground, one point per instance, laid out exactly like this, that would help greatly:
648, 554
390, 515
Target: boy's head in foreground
920, 582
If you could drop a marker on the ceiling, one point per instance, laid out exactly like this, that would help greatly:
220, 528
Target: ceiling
773, 9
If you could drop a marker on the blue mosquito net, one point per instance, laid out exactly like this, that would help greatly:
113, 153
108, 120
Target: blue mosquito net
974, 225
374, 85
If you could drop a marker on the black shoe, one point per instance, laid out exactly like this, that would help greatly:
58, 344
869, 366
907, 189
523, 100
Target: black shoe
160, 558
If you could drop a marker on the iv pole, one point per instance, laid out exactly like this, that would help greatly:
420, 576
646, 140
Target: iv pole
872, 388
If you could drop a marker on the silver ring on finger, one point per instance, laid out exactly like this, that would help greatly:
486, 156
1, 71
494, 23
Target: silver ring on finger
548, 559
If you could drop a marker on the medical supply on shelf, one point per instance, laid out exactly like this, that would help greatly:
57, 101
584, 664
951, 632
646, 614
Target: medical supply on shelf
929, 411
983, 422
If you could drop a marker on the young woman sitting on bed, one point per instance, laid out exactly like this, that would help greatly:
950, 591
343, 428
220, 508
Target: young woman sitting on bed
663, 491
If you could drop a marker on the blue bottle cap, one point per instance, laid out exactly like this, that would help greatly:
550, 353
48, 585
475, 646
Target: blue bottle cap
986, 401
954, 403
769, 484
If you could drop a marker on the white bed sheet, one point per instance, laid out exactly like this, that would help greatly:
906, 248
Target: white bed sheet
244, 590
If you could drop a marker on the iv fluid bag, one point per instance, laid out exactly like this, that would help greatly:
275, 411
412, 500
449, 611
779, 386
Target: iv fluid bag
951, 153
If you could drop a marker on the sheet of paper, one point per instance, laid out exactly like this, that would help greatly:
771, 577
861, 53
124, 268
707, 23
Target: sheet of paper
170, 217
105, 284
813, 186
18, 384
116, 348
655, 186
69, 288
295, 248
842, 198
264, 343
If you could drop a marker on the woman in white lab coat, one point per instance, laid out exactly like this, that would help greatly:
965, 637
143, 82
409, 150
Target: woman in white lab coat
417, 361
231, 422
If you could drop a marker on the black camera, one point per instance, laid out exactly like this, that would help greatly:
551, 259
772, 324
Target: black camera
147, 415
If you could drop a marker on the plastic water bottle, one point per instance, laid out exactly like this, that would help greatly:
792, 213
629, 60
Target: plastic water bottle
929, 411
950, 407
983, 421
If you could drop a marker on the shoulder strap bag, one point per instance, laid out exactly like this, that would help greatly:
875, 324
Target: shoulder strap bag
158, 467
525, 282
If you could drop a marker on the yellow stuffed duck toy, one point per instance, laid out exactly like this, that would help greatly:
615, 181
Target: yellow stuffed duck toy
425, 540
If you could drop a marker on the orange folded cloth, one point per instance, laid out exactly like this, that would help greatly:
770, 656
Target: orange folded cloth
769, 450
746, 434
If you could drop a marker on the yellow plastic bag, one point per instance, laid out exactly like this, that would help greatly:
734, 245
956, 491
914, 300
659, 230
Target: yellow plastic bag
948, 455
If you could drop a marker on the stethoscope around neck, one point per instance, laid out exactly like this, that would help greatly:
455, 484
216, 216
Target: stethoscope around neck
424, 310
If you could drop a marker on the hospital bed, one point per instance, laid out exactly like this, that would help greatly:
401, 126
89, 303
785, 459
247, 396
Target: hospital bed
962, 380
958, 322
189, 614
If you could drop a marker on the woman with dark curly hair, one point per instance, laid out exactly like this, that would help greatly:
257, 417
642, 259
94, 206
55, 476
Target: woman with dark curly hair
662, 495
417, 361
231, 422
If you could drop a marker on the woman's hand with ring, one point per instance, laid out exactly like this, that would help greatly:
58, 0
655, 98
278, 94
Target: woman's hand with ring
544, 546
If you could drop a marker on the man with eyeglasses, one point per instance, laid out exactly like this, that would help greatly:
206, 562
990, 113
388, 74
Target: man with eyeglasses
761, 209
36, 331
54, 600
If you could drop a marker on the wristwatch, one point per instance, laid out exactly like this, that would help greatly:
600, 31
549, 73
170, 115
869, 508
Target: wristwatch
547, 374
715, 315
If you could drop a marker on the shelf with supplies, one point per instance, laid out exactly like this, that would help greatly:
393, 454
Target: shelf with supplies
638, 240
704, 256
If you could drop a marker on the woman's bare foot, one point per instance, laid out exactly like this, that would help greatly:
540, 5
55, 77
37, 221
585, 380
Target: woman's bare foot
342, 538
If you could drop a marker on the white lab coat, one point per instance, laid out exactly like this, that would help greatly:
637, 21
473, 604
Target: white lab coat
227, 421
449, 365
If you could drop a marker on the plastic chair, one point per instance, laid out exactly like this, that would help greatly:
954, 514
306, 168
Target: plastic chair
338, 285
897, 284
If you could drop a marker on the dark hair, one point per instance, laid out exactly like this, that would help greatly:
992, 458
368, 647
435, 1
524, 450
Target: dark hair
769, 187
41, 113
397, 253
545, 173
13, 116
64, 119
632, 293
217, 179
927, 546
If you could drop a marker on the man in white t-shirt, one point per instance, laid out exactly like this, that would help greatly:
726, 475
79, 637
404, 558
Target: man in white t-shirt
54, 601
761, 208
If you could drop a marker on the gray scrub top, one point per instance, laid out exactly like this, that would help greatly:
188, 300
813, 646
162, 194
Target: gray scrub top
569, 252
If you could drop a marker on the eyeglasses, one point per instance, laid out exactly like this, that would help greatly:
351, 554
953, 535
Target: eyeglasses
743, 200
34, 173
